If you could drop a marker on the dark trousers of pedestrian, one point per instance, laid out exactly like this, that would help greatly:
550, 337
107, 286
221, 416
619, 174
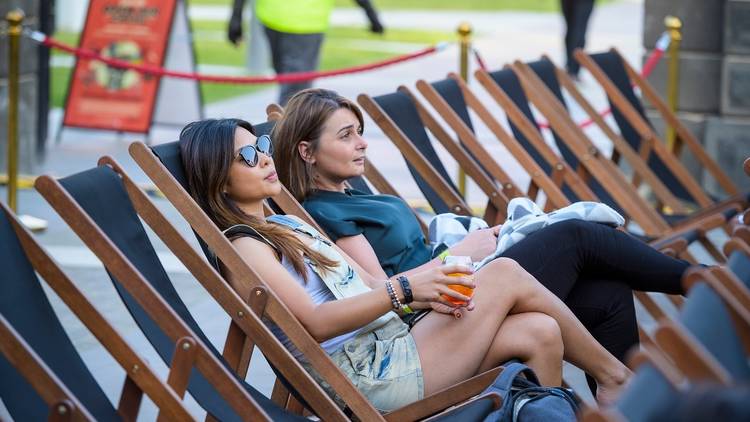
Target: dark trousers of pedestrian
292, 53
594, 269
576, 14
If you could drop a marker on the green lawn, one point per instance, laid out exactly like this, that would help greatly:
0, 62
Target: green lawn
339, 51
535, 5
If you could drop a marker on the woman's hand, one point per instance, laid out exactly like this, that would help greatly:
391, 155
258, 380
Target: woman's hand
477, 244
455, 310
430, 285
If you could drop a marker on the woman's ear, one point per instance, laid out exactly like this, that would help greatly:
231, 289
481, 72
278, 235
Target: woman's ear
305, 152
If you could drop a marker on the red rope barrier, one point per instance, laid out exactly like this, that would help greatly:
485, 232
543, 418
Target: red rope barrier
283, 78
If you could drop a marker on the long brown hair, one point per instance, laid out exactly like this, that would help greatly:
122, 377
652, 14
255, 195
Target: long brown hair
303, 120
207, 149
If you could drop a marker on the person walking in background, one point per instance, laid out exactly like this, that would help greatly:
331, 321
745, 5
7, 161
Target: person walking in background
576, 14
294, 29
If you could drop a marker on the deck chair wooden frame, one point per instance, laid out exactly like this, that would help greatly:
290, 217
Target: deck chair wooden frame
278, 313
196, 354
497, 199
592, 164
651, 139
497, 204
141, 378
555, 197
63, 405
455, 203
561, 122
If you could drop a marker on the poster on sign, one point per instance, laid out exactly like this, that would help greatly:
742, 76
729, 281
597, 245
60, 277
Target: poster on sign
103, 97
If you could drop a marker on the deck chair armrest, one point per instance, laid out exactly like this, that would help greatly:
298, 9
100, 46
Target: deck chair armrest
445, 398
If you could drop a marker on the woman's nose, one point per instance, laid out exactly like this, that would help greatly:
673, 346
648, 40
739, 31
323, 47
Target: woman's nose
362, 142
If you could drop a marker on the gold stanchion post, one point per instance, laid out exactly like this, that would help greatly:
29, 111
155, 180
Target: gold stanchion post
464, 38
674, 27
14, 18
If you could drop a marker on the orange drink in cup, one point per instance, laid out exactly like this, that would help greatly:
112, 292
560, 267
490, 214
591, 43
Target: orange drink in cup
466, 291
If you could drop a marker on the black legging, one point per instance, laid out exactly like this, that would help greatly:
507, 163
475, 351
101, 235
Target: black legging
594, 268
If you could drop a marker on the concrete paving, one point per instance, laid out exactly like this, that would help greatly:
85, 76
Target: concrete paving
500, 37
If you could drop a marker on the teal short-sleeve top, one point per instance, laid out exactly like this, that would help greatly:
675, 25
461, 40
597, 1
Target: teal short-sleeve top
386, 221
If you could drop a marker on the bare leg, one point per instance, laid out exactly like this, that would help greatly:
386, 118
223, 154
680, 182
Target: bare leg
533, 338
504, 288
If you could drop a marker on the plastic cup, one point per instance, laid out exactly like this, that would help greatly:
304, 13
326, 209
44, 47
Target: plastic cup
466, 291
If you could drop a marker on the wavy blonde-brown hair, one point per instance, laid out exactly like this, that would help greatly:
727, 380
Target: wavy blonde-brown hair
207, 149
304, 117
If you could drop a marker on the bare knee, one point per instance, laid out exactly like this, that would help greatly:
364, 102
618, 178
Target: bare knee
505, 276
545, 335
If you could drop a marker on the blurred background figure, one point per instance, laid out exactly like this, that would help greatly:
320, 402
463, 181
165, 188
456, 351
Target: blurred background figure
576, 14
295, 30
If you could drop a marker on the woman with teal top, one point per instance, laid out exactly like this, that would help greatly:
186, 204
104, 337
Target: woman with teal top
353, 313
592, 267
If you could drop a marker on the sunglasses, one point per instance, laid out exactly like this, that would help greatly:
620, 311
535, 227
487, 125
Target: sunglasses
249, 153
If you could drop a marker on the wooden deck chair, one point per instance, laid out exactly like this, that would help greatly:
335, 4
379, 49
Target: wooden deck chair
276, 311
61, 403
443, 197
405, 129
451, 98
595, 170
543, 84
52, 380
95, 204
617, 78
712, 340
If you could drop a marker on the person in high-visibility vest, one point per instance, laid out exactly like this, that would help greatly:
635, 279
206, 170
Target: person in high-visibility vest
294, 29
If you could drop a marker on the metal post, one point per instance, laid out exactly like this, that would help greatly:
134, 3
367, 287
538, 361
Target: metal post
464, 38
674, 27
14, 19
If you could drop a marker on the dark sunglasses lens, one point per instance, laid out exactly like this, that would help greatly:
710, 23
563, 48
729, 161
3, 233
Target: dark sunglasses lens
249, 154
264, 145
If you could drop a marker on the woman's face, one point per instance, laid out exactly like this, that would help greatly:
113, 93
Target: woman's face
341, 148
250, 184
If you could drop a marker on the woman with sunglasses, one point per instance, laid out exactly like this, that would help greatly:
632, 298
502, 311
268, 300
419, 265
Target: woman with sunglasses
351, 313
592, 267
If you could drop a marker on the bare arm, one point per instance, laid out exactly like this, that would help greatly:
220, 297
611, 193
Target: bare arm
330, 319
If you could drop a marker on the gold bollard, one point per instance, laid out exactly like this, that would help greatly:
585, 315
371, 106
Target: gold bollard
464, 39
674, 26
15, 19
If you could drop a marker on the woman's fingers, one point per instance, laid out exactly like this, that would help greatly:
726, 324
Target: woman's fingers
446, 291
454, 269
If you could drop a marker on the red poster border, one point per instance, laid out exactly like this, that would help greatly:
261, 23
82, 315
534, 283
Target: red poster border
150, 103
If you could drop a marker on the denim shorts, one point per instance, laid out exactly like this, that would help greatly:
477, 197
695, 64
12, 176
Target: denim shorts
384, 366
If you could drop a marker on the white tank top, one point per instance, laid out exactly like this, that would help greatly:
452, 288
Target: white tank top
319, 293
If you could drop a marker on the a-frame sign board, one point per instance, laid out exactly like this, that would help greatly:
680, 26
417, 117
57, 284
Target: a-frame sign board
153, 32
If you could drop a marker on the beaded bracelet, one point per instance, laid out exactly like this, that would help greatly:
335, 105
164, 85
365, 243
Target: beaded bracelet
392, 293
408, 296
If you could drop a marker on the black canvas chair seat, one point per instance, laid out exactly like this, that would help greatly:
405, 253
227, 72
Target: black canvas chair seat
709, 321
647, 396
100, 192
400, 108
739, 264
26, 307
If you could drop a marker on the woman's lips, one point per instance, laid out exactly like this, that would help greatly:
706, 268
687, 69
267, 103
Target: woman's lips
272, 177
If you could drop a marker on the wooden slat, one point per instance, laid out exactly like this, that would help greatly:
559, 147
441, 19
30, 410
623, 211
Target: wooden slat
689, 356
54, 393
